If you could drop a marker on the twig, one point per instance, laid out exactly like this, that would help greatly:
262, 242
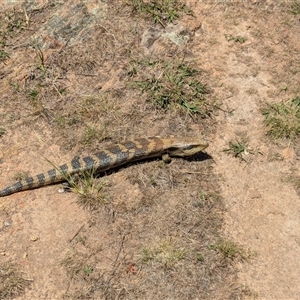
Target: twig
76, 233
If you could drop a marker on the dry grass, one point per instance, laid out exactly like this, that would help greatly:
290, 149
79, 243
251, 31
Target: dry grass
150, 234
12, 283
173, 238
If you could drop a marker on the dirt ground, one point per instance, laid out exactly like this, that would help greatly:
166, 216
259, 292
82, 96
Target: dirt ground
66, 89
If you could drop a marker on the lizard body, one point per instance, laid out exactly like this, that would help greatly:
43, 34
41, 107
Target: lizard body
109, 158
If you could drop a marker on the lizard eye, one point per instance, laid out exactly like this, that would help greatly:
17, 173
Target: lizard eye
188, 147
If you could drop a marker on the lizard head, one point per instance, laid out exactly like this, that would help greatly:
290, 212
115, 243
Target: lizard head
184, 148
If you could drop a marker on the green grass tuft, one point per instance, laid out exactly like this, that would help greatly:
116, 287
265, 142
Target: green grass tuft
283, 119
165, 253
91, 191
11, 22
239, 149
228, 249
295, 8
2, 131
160, 11
171, 84
236, 39
92, 134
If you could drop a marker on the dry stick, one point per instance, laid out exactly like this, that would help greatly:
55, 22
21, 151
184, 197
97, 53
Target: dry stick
120, 248
76, 233
189, 172
114, 263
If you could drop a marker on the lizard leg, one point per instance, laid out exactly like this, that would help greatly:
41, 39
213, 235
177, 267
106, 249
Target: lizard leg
67, 186
166, 158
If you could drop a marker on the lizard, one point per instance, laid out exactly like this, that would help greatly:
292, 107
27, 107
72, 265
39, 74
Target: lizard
114, 156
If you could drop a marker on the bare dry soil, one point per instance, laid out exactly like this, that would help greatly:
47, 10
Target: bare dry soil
210, 227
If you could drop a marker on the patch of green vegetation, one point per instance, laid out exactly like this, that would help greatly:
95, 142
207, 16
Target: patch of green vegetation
171, 84
236, 39
239, 149
283, 119
295, 8
147, 255
3, 55
165, 253
40, 60
92, 192
14, 20
63, 121
92, 133
250, 293
231, 250
160, 11
33, 94
35, 99
2, 131
95, 106
206, 200
10, 23
213, 246
203, 196
88, 270
200, 257
79, 264
12, 284
228, 248
15, 86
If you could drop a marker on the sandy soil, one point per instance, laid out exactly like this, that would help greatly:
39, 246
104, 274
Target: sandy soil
46, 233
